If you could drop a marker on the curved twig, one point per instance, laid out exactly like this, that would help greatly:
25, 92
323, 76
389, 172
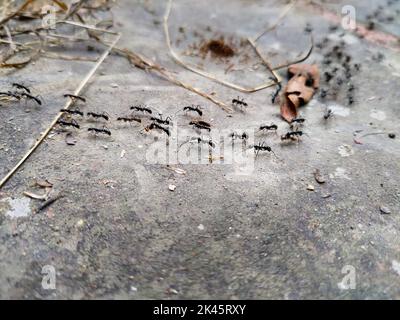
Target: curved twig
200, 72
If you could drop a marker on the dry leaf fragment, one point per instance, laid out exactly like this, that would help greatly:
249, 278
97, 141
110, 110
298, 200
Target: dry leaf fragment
44, 183
304, 81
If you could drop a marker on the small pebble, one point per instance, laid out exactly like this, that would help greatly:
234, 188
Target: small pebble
200, 227
310, 187
392, 135
172, 187
80, 223
385, 210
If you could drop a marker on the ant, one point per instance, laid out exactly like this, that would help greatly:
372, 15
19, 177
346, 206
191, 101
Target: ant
324, 93
10, 94
74, 97
328, 113
103, 115
200, 124
239, 102
350, 99
200, 140
273, 127
157, 126
194, 109
104, 131
276, 93
71, 123
167, 121
73, 112
262, 147
129, 119
291, 135
206, 141
298, 120
29, 96
22, 87
243, 136
142, 109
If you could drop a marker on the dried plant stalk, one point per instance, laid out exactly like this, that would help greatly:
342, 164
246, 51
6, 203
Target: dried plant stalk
200, 72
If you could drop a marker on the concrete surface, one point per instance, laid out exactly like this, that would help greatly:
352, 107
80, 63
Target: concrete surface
120, 232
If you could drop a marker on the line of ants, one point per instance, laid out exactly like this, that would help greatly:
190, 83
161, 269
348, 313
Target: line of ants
21, 91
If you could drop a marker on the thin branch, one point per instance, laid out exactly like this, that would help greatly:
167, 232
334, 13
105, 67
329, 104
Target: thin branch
200, 72
147, 65
278, 21
287, 64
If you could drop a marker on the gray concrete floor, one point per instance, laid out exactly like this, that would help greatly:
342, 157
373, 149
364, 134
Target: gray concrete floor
224, 232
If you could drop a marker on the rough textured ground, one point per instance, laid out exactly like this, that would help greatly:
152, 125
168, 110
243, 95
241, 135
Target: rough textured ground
223, 233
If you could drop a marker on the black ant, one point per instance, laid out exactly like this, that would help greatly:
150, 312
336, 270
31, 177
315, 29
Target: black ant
29, 96
167, 121
298, 120
239, 102
20, 86
71, 123
194, 109
208, 141
291, 135
157, 126
103, 115
10, 94
200, 124
142, 109
350, 100
262, 147
73, 112
273, 127
328, 113
129, 119
276, 93
243, 136
328, 76
74, 97
103, 131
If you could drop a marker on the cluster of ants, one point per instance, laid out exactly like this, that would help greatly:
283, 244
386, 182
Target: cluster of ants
20, 92
68, 121
340, 70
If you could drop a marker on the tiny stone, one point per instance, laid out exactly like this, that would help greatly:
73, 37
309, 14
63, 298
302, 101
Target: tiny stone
310, 187
392, 135
200, 227
385, 210
172, 187
80, 223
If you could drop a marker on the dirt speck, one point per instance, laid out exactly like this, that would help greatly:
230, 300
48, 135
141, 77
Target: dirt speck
218, 48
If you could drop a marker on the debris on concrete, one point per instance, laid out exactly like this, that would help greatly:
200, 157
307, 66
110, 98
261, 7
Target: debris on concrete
303, 82
385, 210
319, 177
